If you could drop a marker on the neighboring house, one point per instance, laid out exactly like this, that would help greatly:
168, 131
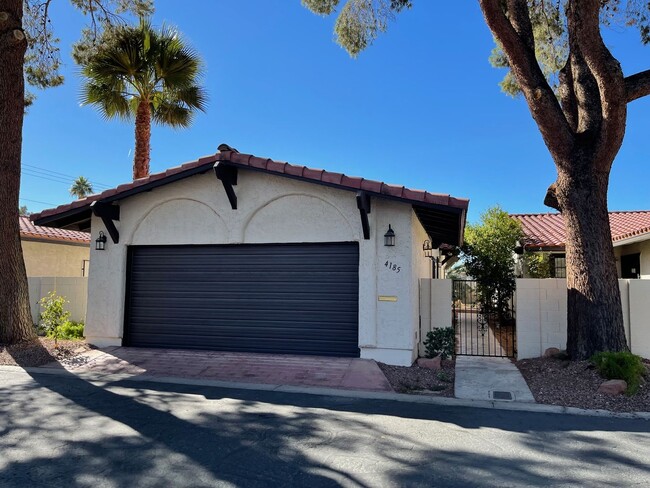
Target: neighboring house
630, 236
234, 252
54, 252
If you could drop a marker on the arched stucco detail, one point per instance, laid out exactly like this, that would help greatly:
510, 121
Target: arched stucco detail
298, 217
180, 221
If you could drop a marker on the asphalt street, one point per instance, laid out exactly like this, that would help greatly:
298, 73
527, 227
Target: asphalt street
62, 431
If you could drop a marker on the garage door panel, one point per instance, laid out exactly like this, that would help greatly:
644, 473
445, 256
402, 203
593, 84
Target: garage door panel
293, 299
215, 305
208, 334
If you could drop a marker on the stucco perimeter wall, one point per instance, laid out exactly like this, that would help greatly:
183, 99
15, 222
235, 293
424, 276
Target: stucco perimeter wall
271, 209
542, 315
54, 259
75, 291
639, 317
435, 307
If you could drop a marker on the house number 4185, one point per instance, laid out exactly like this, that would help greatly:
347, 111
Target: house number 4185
393, 266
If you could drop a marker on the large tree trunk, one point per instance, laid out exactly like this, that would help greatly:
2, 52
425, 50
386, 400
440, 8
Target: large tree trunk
142, 140
594, 315
15, 317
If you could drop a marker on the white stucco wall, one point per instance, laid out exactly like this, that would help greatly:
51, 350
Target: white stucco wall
542, 315
271, 209
435, 307
639, 317
75, 291
541, 309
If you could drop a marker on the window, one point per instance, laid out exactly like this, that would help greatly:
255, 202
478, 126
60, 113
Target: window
558, 266
85, 265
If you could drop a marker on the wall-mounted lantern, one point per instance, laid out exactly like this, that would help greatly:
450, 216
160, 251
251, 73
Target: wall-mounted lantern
428, 249
100, 242
389, 237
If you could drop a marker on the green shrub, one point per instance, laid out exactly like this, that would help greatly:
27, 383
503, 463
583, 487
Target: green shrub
71, 330
441, 342
621, 366
53, 315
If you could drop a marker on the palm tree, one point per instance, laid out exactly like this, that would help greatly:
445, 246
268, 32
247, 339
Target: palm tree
81, 187
144, 74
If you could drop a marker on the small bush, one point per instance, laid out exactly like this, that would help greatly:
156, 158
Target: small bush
72, 330
621, 366
53, 315
440, 342
443, 376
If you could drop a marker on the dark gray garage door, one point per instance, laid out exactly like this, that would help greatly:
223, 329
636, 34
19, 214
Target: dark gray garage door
284, 298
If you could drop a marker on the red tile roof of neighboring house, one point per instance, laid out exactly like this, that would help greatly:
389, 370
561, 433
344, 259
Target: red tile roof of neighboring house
547, 229
232, 156
28, 229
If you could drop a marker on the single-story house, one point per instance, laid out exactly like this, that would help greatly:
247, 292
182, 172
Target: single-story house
54, 252
235, 252
630, 236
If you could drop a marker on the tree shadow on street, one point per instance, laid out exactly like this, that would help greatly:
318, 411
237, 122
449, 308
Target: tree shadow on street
72, 433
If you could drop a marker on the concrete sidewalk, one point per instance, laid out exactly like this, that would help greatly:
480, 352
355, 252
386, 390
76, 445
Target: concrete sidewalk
489, 378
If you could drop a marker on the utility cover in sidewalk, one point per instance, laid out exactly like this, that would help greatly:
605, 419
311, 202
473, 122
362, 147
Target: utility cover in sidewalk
502, 395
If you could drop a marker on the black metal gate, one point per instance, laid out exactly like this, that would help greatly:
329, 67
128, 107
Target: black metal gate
483, 327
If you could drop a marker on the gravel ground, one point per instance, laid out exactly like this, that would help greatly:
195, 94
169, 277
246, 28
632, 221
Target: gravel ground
40, 352
417, 380
575, 384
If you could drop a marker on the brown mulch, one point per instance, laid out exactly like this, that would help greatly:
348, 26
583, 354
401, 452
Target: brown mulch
413, 379
40, 352
575, 384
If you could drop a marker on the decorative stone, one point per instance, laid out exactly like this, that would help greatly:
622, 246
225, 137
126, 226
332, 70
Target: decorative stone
613, 387
555, 353
551, 352
432, 363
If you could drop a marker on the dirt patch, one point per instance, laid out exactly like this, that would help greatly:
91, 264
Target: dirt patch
40, 352
575, 384
417, 380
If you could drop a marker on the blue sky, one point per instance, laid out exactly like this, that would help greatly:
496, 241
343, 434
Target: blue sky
421, 107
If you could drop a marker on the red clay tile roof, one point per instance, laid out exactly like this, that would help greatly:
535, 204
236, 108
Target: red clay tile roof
547, 230
28, 229
231, 156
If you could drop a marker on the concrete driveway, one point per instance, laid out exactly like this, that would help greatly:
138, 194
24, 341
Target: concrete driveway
62, 431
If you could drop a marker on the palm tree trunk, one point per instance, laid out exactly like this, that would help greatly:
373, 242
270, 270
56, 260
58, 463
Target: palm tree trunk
15, 317
142, 140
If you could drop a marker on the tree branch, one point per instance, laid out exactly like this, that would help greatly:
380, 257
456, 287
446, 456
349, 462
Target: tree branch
567, 96
637, 86
584, 26
515, 36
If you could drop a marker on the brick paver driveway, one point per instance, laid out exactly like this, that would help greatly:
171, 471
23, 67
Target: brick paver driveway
236, 367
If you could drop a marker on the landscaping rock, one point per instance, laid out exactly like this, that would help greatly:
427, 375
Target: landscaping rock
551, 352
432, 363
613, 387
555, 353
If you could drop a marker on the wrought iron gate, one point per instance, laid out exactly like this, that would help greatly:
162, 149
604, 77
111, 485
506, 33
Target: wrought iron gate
483, 326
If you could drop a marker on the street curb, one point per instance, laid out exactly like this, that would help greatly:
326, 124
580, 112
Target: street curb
361, 394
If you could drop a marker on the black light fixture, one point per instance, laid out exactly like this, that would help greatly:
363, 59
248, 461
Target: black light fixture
389, 237
428, 248
100, 242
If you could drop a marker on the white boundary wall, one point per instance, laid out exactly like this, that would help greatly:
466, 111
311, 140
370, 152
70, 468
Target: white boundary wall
435, 307
75, 290
542, 315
